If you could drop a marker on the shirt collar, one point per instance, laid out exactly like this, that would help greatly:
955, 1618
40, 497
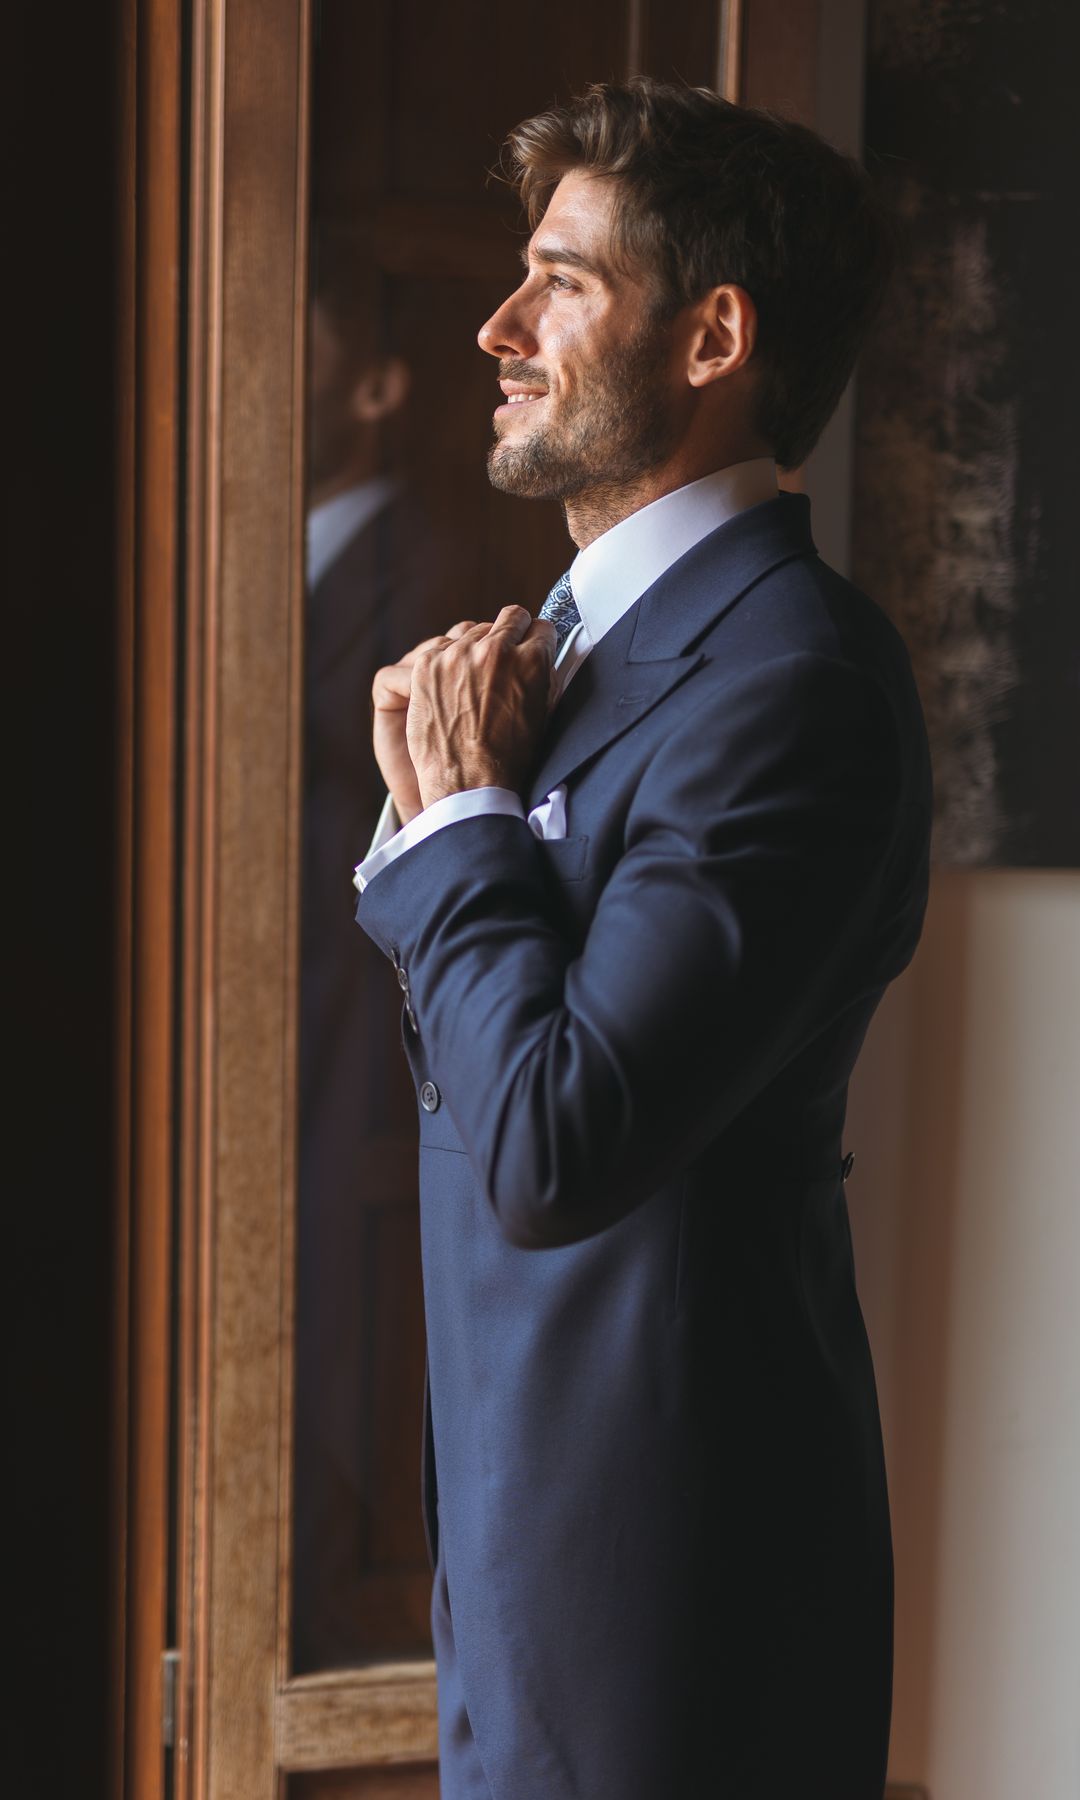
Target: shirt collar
617, 567
336, 522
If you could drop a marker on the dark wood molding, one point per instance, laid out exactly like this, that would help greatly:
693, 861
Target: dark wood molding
730, 50
147, 490
351, 1717
778, 64
419, 1783
241, 761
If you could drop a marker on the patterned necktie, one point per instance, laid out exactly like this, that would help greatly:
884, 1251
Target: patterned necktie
561, 608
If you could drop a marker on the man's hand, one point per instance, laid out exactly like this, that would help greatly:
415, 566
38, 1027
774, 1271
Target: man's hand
477, 705
390, 701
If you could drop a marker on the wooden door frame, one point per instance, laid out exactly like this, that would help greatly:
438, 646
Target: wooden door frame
147, 449
243, 1722
249, 1722
240, 830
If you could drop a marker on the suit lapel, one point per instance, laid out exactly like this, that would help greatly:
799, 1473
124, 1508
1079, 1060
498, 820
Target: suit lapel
608, 694
653, 647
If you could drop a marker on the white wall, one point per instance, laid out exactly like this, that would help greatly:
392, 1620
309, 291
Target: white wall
965, 1201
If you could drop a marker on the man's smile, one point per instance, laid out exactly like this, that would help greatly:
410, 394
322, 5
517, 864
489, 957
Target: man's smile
518, 394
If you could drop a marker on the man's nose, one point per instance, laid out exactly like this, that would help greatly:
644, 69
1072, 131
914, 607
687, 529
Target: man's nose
507, 332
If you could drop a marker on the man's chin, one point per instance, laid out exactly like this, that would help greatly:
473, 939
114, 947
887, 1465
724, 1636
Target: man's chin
517, 469
513, 472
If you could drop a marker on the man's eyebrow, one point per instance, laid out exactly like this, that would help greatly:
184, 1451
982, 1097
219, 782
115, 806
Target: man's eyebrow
559, 253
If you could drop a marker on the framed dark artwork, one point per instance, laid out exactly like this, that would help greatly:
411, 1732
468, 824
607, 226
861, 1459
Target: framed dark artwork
969, 411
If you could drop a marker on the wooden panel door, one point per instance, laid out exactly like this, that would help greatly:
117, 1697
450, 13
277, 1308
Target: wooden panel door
319, 136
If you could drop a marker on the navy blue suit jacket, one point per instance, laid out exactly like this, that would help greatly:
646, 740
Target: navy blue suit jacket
660, 1489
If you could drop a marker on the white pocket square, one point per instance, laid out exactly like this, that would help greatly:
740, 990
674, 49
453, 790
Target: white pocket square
548, 820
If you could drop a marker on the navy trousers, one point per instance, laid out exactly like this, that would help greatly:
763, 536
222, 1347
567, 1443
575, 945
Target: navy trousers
461, 1773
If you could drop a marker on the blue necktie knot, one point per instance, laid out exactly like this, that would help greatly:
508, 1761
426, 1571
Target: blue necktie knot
561, 608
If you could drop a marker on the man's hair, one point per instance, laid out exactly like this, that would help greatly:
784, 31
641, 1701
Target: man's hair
346, 285
709, 193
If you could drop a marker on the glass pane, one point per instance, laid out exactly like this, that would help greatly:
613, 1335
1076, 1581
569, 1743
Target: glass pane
361, 1583
411, 252
412, 249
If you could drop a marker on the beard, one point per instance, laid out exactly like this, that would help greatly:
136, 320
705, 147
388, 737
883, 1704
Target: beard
599, 440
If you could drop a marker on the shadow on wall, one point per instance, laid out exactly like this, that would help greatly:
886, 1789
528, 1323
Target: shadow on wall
965, 1127
906, 1105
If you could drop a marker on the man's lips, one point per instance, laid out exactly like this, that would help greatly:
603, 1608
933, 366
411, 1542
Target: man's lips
519, 396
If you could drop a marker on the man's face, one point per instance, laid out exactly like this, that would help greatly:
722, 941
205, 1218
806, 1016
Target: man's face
589, 374
330, 380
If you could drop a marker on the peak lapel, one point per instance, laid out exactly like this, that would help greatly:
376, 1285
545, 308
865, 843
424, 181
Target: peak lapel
652, 647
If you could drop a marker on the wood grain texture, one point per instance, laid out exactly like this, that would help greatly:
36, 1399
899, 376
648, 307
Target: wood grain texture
779, 56
363, 1716
421, 1783
193, 1297
246, 845
730, 45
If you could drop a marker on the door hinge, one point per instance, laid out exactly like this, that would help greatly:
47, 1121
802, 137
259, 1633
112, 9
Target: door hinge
170, 1676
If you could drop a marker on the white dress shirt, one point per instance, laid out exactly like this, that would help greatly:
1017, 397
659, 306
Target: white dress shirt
607, 577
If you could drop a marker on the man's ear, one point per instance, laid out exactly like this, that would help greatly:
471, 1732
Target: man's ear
380, 390
725, 332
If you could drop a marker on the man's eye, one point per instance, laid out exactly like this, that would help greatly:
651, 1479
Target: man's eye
562, 281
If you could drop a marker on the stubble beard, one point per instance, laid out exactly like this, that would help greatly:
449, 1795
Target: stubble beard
601, 442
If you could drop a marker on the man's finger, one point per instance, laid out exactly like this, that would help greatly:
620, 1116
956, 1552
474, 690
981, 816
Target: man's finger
460, 629
513, 622
392, 685
431, 643
544, 632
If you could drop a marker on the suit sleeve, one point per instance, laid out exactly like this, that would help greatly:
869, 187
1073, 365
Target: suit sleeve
392, 838
751, 904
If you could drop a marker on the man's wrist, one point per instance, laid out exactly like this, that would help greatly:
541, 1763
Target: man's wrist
472, 803
463, 781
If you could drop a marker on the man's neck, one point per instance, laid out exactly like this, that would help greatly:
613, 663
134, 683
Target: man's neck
589, 515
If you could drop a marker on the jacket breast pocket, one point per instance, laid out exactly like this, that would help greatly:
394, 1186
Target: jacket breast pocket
567, 856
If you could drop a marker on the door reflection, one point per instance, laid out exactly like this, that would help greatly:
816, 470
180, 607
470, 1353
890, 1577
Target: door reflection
411, 251
361, 1582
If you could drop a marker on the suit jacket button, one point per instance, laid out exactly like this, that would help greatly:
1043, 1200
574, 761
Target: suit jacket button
847, 1165
430, 1097
403, 980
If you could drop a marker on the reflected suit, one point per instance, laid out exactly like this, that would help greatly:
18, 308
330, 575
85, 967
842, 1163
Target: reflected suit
357, 1128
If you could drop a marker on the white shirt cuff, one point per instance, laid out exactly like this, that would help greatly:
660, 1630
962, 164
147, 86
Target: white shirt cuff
389, 824
390, 840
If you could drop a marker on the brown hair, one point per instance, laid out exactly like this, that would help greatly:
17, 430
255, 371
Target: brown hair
710, 192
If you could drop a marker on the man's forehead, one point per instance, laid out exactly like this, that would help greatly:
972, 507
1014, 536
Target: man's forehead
578, 224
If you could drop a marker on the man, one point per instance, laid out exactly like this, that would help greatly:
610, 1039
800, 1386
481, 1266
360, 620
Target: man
659, 854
